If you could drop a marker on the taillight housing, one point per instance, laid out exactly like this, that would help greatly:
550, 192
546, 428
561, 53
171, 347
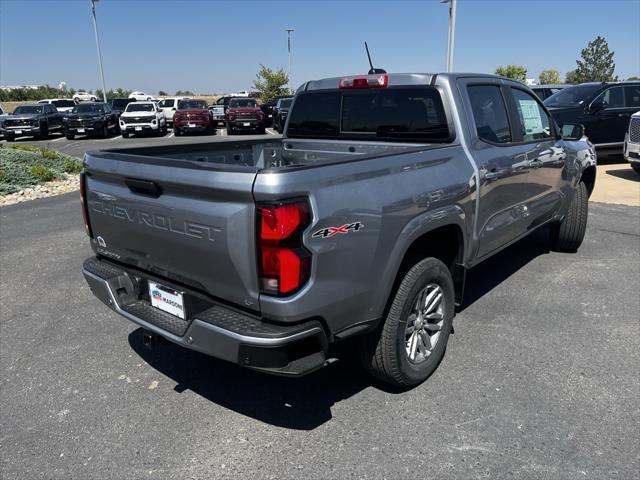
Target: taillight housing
364, 81
283, 263
85, 204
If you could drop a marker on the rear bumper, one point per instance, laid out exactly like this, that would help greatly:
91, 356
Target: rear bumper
217, 330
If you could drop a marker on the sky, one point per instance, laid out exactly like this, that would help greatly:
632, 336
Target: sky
216, 46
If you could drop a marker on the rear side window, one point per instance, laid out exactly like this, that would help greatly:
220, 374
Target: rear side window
315, 115
489, 113
400, 114
632, 96
532, 119
611, 98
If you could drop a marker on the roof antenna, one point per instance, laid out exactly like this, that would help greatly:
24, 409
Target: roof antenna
372, 70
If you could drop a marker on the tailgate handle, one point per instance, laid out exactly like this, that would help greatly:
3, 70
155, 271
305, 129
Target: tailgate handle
143, 187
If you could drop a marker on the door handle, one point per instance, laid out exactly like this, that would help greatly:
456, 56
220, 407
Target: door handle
623, 114
535, 164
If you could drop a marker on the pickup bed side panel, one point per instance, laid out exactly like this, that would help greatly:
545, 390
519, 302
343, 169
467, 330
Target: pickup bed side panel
394, 198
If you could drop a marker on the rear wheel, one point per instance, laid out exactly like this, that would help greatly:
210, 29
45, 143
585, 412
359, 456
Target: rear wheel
412, 339
567, 235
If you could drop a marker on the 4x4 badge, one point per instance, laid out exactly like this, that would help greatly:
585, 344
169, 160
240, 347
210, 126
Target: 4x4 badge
344, 229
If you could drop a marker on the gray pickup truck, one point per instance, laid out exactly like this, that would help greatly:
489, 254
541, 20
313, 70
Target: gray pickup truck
360, 222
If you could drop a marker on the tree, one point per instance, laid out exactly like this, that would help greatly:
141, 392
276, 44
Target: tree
549, 77
597, 63
571, 77
184, 93
633, 78
270, 84
162, 93
515, 72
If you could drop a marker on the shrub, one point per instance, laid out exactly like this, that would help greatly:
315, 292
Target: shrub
42, 173
26, 166
71, 165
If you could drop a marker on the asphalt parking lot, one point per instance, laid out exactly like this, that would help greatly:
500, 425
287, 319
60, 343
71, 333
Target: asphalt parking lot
540, 379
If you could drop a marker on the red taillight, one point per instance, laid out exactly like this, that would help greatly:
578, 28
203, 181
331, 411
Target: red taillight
85, 205
284, 264
366, 81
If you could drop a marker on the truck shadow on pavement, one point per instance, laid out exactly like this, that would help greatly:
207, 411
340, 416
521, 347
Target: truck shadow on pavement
305, 403
297, 403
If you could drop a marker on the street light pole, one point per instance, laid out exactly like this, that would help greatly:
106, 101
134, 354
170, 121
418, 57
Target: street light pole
289, 30
95, 29
452, 32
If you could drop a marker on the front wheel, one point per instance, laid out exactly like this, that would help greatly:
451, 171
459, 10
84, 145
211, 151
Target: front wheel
70, 136
567, 235
125, 135
412, 339
44, 132
636, 167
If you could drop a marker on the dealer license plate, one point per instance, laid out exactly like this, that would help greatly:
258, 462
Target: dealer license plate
18, 132
138, 129
246, 124
166, 299
191, 125
81, 130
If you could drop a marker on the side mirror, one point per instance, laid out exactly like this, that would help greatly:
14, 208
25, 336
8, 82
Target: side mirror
596, 107
572, 131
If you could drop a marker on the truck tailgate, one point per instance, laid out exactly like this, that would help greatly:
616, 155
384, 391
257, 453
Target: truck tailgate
187, 222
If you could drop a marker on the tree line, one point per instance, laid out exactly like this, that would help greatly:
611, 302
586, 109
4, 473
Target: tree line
594, 65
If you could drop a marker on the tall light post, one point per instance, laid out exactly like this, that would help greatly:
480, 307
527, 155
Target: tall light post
289, 30
95, 29
452, 32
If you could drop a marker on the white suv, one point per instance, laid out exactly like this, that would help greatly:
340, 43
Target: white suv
63, 105
82, 96
141, 96
142, 117
169, 107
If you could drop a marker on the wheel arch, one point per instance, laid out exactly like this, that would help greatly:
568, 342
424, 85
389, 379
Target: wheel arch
441, 237
588, 176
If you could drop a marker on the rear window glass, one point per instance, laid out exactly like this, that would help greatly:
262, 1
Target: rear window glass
404, 114
64, 103
166, 103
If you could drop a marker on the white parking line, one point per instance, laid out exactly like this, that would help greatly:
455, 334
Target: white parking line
58, 139
171, 134
223, 132
271, 132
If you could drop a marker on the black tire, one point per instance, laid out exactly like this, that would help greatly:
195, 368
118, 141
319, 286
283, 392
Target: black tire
636, 167
567, 235
176, 132
261, 131
383, 353
70, 136
44, 132
10, 138
125, 135
105, 131
230, 131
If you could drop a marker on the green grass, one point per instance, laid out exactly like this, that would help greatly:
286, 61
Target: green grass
23, 166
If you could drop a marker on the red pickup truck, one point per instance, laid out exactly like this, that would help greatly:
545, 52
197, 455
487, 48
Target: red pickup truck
193, 116
244, 114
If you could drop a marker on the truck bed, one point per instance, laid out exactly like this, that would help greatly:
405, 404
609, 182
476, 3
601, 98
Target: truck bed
256, 155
